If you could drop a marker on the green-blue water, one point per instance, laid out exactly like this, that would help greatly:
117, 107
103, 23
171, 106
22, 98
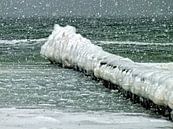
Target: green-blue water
28, 81
135, 30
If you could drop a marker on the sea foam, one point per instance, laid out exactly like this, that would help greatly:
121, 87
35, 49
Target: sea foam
22, 41
151, 81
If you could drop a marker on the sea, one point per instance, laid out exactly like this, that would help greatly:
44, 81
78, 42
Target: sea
35, 94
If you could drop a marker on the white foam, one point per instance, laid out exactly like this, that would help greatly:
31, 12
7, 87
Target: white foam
132, 43
152, 81
22, 41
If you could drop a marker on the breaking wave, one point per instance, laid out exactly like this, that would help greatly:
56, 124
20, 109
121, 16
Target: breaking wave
133, 43
22, 41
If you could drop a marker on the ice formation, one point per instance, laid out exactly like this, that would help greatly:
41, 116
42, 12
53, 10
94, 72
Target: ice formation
151, 81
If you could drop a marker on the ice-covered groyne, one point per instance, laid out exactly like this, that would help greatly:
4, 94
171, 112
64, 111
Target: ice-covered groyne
70, 49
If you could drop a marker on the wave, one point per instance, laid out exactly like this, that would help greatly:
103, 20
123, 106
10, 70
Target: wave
70, 49
132, 43
22, 41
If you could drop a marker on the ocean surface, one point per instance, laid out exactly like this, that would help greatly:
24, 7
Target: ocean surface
35, 94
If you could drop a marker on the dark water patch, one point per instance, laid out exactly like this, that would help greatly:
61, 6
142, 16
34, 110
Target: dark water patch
143, 30
141, 53
27, 52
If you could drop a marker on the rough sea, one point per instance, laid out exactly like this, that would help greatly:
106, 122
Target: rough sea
35, 94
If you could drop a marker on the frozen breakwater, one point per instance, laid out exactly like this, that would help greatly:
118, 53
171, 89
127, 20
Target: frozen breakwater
153, 82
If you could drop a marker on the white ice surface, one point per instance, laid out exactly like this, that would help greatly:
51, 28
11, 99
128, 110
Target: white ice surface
54, 119
152, 81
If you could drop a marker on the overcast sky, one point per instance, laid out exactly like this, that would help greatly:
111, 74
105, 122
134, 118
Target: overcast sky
132, 8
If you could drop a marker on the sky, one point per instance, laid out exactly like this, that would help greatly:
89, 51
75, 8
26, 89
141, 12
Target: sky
89, 8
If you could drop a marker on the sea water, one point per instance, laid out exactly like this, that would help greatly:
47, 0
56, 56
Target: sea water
36, 94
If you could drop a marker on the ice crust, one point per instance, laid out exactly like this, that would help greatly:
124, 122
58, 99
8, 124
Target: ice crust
151, 81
